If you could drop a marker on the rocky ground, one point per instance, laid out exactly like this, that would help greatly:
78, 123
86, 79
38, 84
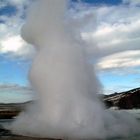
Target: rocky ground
7, 135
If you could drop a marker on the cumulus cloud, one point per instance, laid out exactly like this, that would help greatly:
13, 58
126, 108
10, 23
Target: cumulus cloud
10, 41
11, 44
15, 46
117, 30
117, 36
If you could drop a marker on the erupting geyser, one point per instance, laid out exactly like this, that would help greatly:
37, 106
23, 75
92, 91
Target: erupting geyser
66, 85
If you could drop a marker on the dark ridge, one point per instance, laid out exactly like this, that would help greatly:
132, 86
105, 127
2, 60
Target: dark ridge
124, 100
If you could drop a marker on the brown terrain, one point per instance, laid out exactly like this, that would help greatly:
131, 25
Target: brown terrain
124, 100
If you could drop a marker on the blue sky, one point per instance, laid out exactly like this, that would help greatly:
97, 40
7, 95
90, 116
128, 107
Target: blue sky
8, 10
13, 71
117, 36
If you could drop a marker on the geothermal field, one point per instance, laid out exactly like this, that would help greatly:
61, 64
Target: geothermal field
65, 84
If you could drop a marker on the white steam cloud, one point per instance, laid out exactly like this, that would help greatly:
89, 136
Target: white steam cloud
66, 85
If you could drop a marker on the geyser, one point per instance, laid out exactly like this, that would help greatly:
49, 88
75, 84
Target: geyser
65, 83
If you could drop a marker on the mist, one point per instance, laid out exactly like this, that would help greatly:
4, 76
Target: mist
65, 83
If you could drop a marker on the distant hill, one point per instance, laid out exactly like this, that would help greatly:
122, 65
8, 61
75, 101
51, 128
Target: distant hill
10, 110
124, 100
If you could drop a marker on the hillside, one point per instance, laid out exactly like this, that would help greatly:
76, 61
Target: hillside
124, 100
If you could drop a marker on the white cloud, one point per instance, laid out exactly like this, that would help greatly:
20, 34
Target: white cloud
118, 29
125, 59
10, 41
132, 2
117, 36
16, 47
12, 44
